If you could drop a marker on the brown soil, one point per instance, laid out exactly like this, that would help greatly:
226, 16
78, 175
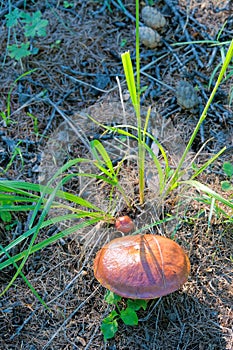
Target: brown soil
79, 75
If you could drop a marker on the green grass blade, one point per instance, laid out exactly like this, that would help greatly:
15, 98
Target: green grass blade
203, 188
47, 242
46, 223
13, 198
17, 208
12, 87
96, 148
17, 186
210, 161
112, 182
30, 286
204, 113
34, 236
129, 75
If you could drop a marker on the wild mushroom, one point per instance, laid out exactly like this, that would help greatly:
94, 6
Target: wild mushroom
124, 224
142, 266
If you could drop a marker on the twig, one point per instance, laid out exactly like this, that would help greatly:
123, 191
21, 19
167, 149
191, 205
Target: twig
85, 74
79, 133
181, 336
25, 322
151, 311
159, 82
6, 10
102, 9
126, 12
69, 318
92, 337
212, 57
187, 36
89, 85
48, 125
53, 114
172, 52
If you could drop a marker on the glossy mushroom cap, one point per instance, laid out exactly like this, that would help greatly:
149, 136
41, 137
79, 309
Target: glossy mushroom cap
142, 266
124, 224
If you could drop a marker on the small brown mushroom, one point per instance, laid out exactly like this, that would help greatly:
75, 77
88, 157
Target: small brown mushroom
142, 266
124, 224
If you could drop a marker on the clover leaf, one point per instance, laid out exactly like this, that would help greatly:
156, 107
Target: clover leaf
109, 325
19, 51
13, 17
34, 24
127, 314
228, 169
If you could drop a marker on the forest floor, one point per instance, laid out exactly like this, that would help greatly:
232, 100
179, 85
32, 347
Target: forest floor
76, 67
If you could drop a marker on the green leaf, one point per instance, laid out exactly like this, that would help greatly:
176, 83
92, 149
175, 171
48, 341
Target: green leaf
129, 317
26, 17
34, 51
228, 169
143, 89
110, 317
19, 51
129, 74
97, 148
226, 185
5, 216
109, 329
34, 25
12, 18
123, 42
112, 298
68, 4
137, 304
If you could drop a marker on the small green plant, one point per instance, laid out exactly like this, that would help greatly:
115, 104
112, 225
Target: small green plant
6, 116
35, 123
126, 313
16, 154
7, 121
68, 4
123, 42
228, 170
168, 180
56, 45
32, 26
5, 216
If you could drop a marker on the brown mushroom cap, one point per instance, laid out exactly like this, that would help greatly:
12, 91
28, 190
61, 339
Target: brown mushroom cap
124, 224
142, 266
